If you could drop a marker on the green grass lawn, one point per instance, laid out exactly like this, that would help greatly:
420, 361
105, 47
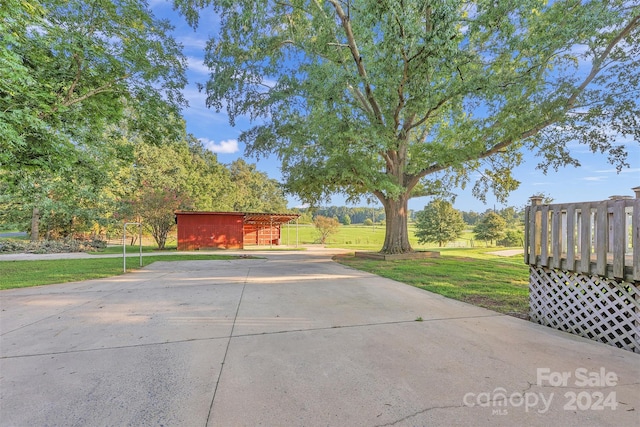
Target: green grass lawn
348, 236
470, 275
131, 249
20, 274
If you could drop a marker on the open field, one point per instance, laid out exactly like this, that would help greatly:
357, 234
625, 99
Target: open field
361, 237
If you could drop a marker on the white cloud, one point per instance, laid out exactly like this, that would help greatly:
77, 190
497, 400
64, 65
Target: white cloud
197, 65
593, 178
624, 170
229, 146
193, 42
197, 112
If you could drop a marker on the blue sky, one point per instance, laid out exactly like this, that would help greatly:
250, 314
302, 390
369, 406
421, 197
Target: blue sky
596, 179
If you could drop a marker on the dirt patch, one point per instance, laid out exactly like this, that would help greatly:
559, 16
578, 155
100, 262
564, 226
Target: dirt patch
491, 304
417, 255
466, 259
508, 252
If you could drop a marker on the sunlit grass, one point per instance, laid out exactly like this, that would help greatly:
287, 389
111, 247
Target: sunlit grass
357, 236
20, 274
469, 275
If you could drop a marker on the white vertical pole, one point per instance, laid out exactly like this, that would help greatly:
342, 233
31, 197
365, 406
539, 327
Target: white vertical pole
124, 248
140, 240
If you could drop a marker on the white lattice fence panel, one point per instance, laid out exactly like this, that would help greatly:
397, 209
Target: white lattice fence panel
590, 306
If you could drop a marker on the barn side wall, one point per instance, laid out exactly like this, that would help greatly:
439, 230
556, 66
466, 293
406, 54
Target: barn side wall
208, 231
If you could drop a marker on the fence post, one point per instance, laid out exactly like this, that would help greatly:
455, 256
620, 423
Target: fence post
635, 241
535, 219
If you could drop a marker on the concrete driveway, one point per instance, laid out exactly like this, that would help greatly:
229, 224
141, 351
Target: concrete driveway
293, 339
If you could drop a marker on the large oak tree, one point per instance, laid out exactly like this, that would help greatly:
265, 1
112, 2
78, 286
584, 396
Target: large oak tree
405, 98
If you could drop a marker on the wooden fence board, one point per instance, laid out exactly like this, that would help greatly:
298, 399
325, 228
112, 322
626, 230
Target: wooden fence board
532, 235
585, 238
619, 241
636, 239
571, 233
556, 238
544, 236
526, 235
601, 232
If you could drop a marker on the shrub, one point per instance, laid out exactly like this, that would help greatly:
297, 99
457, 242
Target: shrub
512, 238
51, 246
325, 227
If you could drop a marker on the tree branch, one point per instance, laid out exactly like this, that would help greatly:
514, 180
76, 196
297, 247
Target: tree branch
104, 88
405, 77
361, 98
76, 78
568, 105
353, 47
598, 61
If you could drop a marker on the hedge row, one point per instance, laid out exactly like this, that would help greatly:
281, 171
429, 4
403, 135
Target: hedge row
51, 246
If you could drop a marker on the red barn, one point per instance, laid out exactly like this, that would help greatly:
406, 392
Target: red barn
229, 230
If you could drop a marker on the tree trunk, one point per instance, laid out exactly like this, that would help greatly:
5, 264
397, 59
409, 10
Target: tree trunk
35, 222
396, 238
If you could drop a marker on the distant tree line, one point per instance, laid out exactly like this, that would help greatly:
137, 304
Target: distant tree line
345, 215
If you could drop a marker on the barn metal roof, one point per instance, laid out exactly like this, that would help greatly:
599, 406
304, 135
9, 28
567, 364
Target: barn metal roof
268, 218
256, 218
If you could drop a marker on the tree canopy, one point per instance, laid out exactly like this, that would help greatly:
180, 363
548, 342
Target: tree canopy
90, 124
254, 190
73, 69
490, 227
398, 99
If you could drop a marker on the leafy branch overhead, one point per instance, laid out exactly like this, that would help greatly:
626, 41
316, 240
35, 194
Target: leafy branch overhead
403, 98
90, 127
73, 68
413, 89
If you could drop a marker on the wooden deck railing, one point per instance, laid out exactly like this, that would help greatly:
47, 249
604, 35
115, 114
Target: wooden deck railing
594, 238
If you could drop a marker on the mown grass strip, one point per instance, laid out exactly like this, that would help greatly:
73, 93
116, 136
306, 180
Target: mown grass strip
499, 284
20, 274
131, 249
